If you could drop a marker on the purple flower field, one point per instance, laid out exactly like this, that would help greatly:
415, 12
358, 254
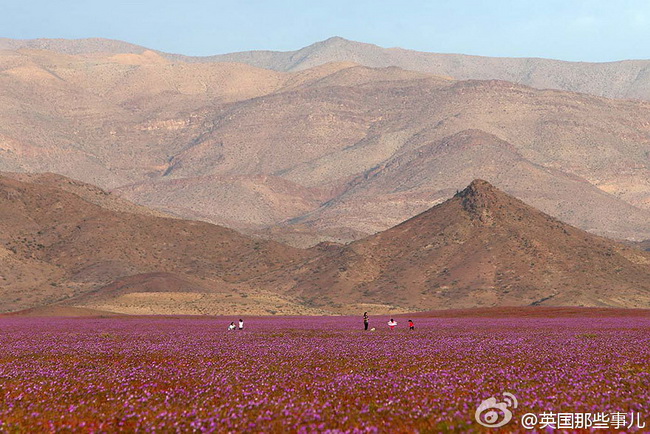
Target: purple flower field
313, 374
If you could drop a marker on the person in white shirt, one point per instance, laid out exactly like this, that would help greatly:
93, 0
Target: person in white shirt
241, 324
392, 323
231, 326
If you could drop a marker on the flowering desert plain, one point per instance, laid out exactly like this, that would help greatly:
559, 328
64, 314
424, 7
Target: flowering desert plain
149, 199
314, 374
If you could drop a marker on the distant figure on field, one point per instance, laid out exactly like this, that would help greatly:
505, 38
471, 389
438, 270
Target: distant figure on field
366, 320
241, 324
231, 326
411, 325
392, 323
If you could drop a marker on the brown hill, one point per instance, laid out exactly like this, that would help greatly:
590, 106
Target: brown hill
87, 192
63, 253
328, 153
55, 245
623, 79
376, 199
480, 248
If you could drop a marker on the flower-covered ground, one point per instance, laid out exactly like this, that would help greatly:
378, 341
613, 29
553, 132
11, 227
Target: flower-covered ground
313, 374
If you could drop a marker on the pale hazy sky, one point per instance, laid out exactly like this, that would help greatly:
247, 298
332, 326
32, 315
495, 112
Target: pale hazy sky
579, 30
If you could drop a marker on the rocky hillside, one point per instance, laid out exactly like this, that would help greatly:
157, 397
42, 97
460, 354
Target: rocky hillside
334, 152
56, 245
480, 248
623, 79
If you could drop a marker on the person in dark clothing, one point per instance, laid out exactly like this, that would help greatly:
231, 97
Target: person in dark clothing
366, 320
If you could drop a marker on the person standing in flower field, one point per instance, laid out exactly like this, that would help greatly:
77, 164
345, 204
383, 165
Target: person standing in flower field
411, 325
366, 320
241, 324
392, 323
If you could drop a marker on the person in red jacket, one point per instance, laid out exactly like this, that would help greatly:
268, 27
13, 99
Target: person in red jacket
411, 325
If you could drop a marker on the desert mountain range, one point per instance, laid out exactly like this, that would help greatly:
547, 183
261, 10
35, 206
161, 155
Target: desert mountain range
333, 152
69, 244
626, 79
328, 180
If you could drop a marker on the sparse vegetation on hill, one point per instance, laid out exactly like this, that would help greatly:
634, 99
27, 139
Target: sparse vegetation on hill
482, 247
56, 245
334, 152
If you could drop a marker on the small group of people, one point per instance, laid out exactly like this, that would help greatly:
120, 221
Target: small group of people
391, 324
232, 325
366, 322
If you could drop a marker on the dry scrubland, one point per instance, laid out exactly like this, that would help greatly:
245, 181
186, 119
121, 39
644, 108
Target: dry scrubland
312, 374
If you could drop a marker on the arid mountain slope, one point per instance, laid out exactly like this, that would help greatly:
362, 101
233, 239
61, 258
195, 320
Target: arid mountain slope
272, 152
55, 245
622, 79
480, 248
73, 46
87, 192
645, 245
412, 182
323, 138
